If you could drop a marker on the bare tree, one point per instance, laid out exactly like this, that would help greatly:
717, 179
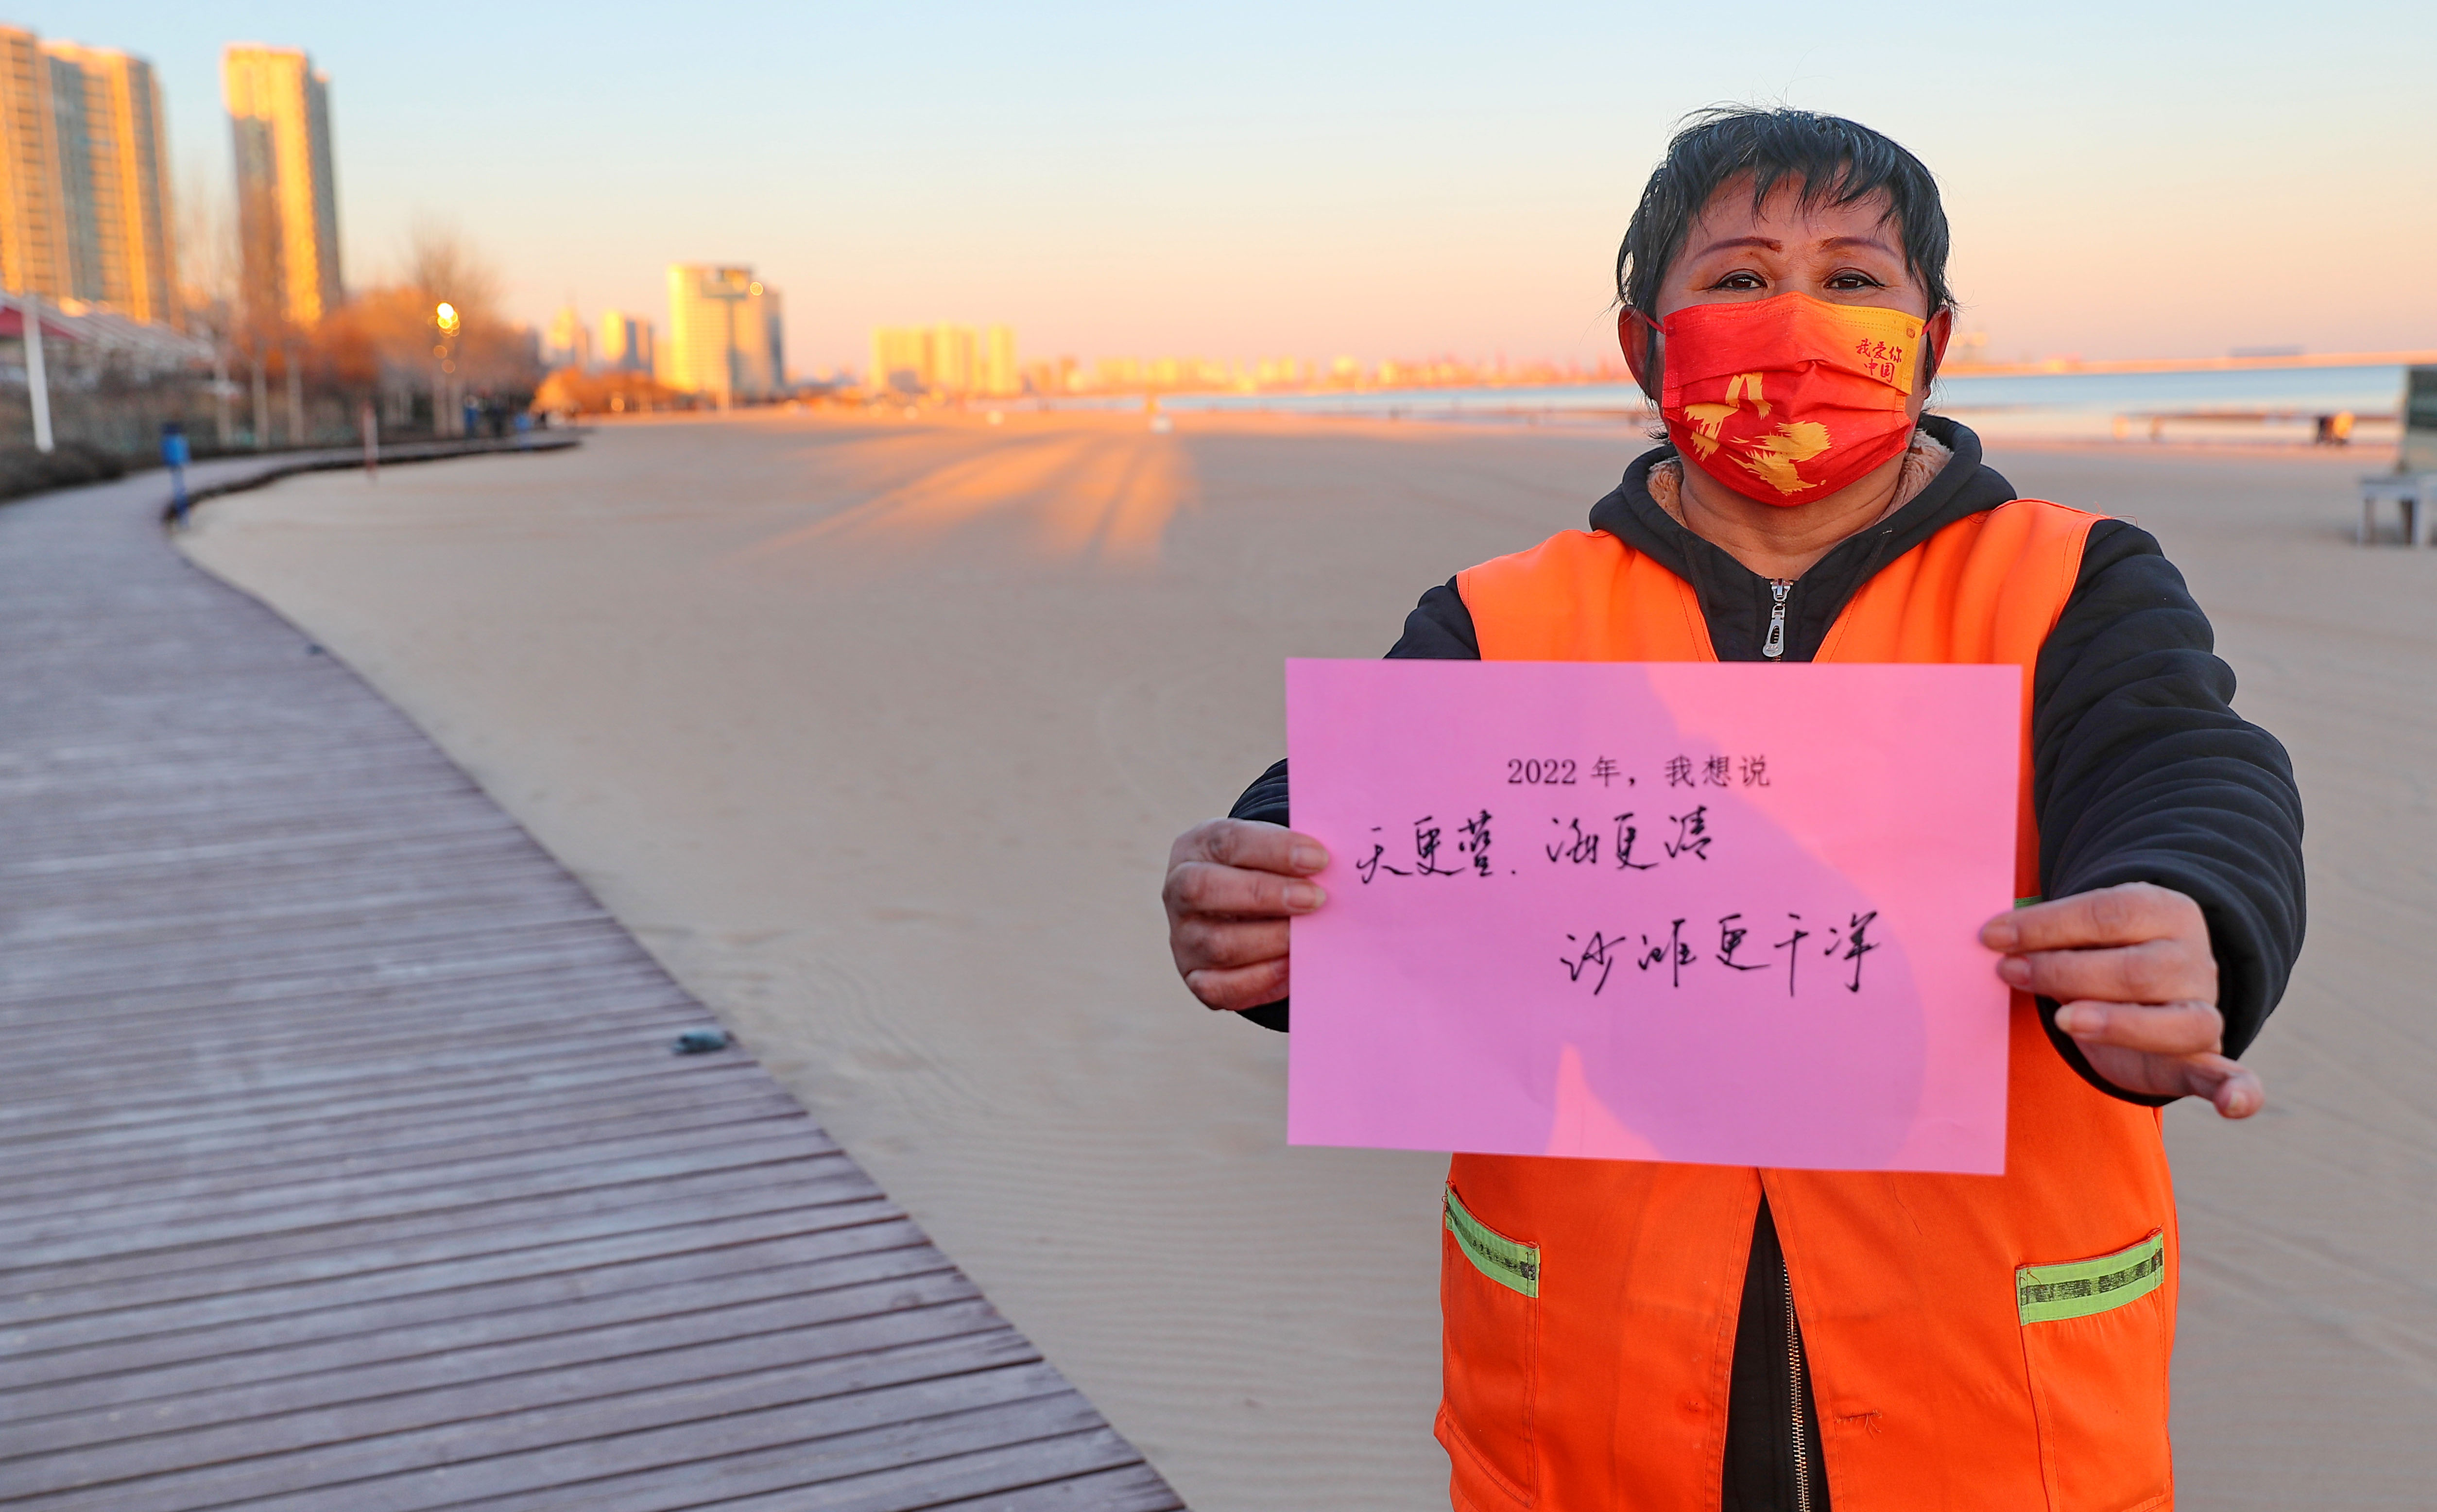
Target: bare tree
208, 260
439, 261
210, 271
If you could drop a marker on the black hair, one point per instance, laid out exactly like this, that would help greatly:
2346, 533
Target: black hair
1835, 162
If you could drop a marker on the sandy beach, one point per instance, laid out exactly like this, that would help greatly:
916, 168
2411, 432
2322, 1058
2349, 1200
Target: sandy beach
876, 733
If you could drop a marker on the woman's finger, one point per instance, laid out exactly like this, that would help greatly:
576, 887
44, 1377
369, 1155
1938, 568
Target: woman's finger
1200, 944
2234, 1089
2158, 971
2170, 1029
2125, 915
1251, 844
1241, 987
1207, 887
2230, 1087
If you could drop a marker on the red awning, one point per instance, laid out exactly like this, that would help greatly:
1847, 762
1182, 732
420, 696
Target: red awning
55, 326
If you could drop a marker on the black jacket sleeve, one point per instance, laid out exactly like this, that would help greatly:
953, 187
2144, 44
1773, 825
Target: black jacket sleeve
2142, 772
1439, 630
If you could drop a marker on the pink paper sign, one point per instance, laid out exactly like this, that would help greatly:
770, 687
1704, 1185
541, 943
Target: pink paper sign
1693, 911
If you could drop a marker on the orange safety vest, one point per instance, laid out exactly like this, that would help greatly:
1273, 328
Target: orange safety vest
1981, 1343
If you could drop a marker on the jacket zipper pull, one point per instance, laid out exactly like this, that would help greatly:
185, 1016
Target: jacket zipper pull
1775, 645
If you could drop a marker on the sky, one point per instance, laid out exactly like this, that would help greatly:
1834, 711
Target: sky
1317, 179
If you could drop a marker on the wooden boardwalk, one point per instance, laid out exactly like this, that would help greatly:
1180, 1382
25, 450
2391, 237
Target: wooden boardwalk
344, 1161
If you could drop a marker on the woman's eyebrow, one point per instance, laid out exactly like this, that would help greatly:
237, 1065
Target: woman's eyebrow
1741, 241
1872, 242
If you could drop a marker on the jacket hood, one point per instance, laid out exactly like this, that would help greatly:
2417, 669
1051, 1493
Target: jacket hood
1727, 590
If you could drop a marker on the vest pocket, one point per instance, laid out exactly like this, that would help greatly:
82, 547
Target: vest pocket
1489, 1289
2096, 1336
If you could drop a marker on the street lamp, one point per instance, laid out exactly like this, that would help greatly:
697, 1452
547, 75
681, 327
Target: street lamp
443, 414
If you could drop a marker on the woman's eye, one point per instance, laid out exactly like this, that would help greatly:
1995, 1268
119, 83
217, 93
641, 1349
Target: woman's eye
1739, 281
1849, 280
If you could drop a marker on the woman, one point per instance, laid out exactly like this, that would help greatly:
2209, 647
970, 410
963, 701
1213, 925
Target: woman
1716, 1337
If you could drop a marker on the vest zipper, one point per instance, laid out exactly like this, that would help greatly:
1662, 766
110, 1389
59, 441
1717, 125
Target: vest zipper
1775, 645
1793, 1353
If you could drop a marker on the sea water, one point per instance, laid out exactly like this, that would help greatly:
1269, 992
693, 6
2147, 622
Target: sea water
2238, 404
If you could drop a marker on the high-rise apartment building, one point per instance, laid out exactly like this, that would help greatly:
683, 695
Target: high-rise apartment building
726, 336
948, 354
33, 239
121, 250
998, 375
287, 191
946, 359
84, 196
626, 345
898, 360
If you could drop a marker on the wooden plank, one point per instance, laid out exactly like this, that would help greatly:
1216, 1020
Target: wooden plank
455, 1424
205, 951
318, 1172
1134, 1487
690, 1464
317, 1086
282, 889
630, 1230
352, 1049
151, 852
591, 1211
392, 1297
369, 970
152, 1051
313, 806
162, 1023
1064, 1474
298, 1003
314, 821
374, 1144
104, 1129
499, 1019
570, 1369
42, 1240
886, 1282
232, 1141
191, 1203
944, 1306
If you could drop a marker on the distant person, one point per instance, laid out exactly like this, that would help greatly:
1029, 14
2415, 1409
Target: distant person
1708, 1336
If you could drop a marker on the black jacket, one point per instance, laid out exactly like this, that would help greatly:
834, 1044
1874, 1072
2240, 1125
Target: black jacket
2141, 772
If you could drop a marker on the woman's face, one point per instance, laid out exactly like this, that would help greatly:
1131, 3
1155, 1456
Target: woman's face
1842, 253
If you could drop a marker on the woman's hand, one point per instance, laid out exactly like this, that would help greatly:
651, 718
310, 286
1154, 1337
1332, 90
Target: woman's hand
1232, 886
2136, 982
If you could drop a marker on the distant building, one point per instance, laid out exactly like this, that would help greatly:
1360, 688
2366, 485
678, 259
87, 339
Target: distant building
85, 198
726, 336
950, 355
999, 376
898, 360
945, 359
1058, 376
626, 345
33, 239
287, 190
568, 344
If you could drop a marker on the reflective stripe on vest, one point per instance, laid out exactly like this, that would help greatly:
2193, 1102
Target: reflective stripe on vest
1946, 1377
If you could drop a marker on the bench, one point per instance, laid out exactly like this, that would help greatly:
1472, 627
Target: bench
2413, 485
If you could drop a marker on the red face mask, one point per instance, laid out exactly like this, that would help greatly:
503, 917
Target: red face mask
1789, 399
